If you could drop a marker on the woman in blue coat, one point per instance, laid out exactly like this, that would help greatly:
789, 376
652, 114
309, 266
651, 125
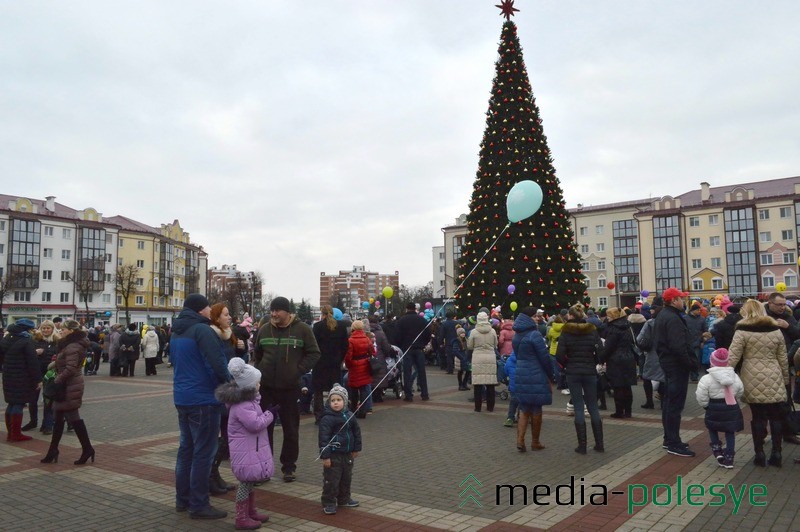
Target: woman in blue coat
533, 377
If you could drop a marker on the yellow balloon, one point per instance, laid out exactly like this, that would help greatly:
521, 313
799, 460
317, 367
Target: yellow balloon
388, 292
371, 300
513, 306
780, 287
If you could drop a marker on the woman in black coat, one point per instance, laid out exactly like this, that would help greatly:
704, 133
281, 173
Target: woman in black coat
21, 376
620, 361
331, 336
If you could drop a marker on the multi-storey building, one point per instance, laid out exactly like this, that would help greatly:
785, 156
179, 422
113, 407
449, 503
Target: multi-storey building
438, 271
58, 261
454, 238
240, 290
740, 240
353, 287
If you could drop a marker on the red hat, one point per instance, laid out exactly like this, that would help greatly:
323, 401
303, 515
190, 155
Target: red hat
671, 293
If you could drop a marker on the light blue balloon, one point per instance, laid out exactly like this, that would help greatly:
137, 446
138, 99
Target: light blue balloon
365, 305
523, 200
337, 314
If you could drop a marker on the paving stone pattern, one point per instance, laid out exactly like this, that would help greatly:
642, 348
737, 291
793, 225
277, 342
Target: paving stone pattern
416, 461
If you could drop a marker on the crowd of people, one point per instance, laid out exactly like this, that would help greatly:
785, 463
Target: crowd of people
234, 382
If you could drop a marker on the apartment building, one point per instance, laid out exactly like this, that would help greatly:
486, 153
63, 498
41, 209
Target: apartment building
353, 287
240, 290
59, 261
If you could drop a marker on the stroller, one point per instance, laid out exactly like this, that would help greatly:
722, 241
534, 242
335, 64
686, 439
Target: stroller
502, 378
394, 375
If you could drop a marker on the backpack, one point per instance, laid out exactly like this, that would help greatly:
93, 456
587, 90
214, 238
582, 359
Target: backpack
645, 339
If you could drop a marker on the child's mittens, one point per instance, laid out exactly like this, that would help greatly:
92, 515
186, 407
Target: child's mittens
273, 409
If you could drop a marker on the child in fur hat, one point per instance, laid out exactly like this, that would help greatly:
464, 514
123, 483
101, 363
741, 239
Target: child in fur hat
339, 444
251, 455
718, 392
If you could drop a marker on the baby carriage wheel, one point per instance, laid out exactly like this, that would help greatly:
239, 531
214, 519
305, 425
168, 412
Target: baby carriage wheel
504, 395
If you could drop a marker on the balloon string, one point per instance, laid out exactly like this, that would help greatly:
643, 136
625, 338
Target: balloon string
399, 360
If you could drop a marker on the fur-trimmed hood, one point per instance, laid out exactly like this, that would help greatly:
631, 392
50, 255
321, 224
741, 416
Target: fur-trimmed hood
636, 318
757, 324
73, 338
578, 328
230, 394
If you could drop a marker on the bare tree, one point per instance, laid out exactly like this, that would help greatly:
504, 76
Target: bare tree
125, 285
84, 286
6, 286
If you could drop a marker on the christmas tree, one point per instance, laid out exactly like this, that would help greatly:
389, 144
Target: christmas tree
536, 255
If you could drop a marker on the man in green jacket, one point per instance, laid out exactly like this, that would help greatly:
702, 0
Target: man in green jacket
285, 349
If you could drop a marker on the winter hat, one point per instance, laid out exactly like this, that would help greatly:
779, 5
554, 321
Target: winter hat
339, 390
25, 324
734, 309
196, 302
245, 375
483, 317
719, 357
460, 331
72, 325
281, 303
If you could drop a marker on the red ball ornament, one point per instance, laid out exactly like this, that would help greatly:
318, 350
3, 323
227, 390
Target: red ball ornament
610, 285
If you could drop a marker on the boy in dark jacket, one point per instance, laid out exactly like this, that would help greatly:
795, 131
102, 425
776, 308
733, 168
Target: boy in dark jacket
339, 444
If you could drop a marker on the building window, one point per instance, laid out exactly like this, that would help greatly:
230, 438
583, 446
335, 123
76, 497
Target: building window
140, 244
584, 248
119, 261
697, 284
22, 296
601, 265
109, 238
140, 300
787, 234
106, 298
108, 257
667, 249
47, 297
48, 253
697, 264
121, 241
768, 281
585, 266
763, 214
155, 281
602, 301
716, 284
66, 233
713, 241
155, 301
694, 243
48, 230
740, 251
713, 219
83, 298
583, 230
788, 257
119, 300
601, 282
139, 281
766, 258
598, 229
441, 256
786, 212
64, 275
140, 264
47, 275
694, 221
109, 277
601, 247
716, 262
64, 297
66, 253
790, 280
765, 236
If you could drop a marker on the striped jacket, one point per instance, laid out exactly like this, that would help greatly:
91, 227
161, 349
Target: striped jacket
284, 354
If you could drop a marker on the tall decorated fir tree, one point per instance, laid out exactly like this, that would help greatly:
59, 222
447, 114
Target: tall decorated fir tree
536, 255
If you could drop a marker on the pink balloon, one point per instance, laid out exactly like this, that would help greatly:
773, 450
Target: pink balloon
428, 305
377, 304
422, 314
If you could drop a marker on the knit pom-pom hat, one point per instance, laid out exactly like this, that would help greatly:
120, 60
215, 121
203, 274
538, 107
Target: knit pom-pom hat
245, 375
339, 390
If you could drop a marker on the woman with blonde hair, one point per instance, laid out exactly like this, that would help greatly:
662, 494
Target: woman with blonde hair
45, 340
758, 343
331, 336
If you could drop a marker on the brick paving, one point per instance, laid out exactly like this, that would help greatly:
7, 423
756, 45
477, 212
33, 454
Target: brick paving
409, 476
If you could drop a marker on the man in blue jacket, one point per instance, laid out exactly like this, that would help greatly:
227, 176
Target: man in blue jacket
411, 340
199, 366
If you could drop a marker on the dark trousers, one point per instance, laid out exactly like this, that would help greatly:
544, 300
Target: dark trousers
199, 426
337, 478
150, 366
289, 414
357, 396
477, 393
677, 384
583, 390
127, 370
414, 359
33, 406
449, 360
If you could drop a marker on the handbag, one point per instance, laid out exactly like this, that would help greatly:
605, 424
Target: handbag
793, 419
54, 391
376, 366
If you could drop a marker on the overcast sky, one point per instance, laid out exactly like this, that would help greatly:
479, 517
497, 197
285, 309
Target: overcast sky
295, 137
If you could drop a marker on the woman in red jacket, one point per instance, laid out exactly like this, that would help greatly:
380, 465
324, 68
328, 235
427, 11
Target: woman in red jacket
359, 350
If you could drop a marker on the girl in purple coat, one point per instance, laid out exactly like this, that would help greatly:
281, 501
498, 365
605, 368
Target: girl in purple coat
251, 454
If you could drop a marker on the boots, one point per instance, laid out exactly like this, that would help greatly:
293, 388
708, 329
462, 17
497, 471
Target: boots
727, 459
462, 382
52, 452
86, 445
216, 479
536, 430
716, 449
32, 424
776, 431
619, 404
15, 434
243, 521
251, 510
759, 430
522, 428
648, 394
580, 430
597, 430
478, 395
628, 402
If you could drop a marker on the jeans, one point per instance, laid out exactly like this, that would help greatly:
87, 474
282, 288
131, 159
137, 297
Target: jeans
513, 404
414, 359
677, 384
584, 388
368, 396
730, 439
199, 426
557, 373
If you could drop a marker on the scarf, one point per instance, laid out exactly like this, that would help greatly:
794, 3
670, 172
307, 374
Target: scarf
225, 334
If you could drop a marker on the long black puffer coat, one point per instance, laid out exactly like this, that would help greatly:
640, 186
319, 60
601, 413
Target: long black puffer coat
620, 360
20, 367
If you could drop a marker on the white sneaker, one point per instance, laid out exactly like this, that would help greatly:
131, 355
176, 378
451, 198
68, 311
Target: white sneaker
565, 391
570, 409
